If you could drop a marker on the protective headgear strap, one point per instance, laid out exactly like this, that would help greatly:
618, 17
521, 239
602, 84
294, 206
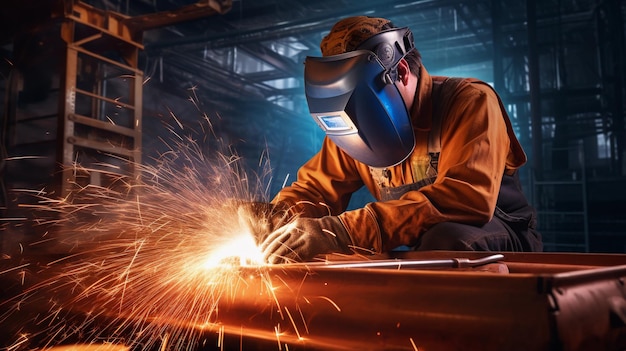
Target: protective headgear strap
390, 47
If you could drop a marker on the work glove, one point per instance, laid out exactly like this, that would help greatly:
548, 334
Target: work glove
262, 218
305, 238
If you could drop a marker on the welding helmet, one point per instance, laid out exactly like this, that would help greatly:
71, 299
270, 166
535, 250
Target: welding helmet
353, 98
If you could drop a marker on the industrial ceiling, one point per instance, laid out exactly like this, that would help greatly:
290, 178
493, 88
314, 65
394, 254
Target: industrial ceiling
250, 56
261, 45
258, 47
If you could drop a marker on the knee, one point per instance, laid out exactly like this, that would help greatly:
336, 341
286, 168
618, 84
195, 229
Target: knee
446, 236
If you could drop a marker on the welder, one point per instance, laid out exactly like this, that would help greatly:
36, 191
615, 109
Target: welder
439, 154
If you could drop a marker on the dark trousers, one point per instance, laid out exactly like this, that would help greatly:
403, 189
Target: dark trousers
496, 235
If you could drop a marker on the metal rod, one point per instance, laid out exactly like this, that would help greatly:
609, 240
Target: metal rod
399, 264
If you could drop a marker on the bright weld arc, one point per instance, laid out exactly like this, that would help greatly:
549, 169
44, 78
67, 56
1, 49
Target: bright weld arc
159, 225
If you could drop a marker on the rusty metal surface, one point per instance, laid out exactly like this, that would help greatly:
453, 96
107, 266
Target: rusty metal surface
562, 302
375, 309
370, 309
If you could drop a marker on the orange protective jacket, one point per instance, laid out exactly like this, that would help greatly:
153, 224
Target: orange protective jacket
477, 147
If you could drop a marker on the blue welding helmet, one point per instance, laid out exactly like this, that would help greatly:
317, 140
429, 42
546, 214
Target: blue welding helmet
353, 98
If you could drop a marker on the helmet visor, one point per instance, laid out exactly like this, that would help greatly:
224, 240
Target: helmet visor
364, 116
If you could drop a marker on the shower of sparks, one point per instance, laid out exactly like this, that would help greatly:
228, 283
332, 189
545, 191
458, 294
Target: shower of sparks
150, 259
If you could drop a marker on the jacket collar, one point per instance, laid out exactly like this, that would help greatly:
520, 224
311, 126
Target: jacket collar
422, 109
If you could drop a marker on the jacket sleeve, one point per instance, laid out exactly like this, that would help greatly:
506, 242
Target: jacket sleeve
324, 183
474, 153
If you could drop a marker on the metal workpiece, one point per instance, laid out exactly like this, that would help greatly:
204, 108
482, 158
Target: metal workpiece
366, 306
420, 302
364, 309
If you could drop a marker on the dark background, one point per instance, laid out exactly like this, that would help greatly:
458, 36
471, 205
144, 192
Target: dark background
558, 65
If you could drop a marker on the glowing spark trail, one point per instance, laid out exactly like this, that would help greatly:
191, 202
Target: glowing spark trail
145, 263
165, 262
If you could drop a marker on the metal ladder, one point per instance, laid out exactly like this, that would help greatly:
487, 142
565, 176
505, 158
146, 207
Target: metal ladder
100, 114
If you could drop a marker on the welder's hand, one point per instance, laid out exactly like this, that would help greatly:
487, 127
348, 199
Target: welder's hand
262, 218
305, 238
